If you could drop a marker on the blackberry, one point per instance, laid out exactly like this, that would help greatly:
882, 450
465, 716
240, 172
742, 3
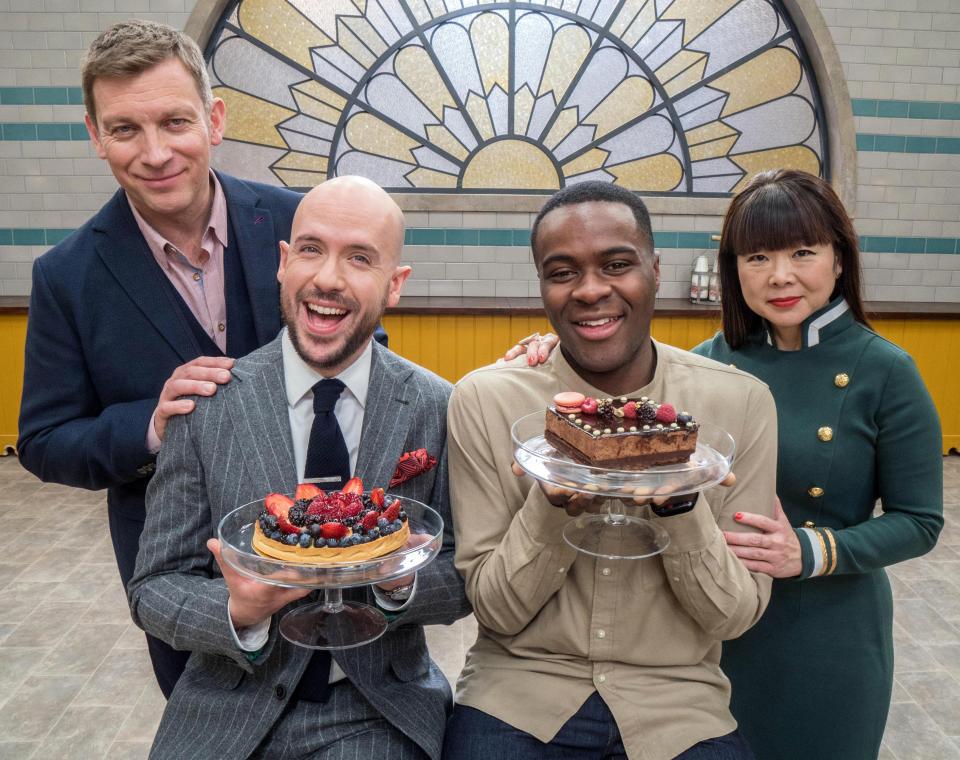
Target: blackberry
604, 407
646, 412
302, 503
306, 540
297, 514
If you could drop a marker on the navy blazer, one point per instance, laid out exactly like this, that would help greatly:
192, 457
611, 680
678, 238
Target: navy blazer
104, 335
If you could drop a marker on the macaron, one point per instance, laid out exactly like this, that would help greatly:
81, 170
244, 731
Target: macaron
568, 402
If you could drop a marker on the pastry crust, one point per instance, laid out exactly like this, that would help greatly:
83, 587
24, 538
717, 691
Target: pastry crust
267, 547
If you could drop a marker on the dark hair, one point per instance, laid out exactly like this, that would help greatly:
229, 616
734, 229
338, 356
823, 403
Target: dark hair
596, 191
778, 209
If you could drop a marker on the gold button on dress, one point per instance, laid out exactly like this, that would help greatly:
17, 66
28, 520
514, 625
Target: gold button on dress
825, 434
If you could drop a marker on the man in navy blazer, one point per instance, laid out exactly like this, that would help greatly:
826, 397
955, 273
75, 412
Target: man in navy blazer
109, 323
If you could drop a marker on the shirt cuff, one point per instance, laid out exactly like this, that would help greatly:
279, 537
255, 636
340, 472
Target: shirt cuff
386, 603
691, 531
153, 440
252, 638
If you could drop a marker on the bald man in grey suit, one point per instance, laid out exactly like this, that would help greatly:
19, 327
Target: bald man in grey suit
242, 693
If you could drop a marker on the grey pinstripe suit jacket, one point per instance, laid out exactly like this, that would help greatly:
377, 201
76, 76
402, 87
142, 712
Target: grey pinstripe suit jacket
232, 450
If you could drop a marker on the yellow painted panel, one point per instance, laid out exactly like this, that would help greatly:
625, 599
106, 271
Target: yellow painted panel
453, 345
13, 334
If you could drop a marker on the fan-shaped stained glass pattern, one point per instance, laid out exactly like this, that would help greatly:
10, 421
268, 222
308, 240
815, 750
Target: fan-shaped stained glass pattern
689, 97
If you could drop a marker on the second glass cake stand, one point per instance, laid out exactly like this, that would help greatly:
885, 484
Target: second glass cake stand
612, 532
331, 623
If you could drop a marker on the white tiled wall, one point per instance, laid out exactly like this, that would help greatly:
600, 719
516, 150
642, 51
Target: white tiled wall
891, 49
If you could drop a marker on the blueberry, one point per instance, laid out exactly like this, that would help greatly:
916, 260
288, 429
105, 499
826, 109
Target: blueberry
314, 529
386, 530
276, 535
270, 522
373, 532
683, 419
291, 538
382, 522
397, 525
332, 542
320, 542
345, 541
306, 540
403, 515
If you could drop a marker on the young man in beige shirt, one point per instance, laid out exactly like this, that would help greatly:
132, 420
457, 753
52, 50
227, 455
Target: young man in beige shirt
580, 656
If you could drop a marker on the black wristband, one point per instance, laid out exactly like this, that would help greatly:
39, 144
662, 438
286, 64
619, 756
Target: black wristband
675, 506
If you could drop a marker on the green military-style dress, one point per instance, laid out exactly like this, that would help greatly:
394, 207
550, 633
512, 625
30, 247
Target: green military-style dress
813, 678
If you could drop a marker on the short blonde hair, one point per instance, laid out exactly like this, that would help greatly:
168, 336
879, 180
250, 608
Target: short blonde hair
131, 47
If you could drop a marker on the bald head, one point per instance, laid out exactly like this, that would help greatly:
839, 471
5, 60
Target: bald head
355, 203
340, 271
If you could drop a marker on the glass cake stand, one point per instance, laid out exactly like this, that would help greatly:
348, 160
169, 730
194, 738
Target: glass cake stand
332, 623
613, 533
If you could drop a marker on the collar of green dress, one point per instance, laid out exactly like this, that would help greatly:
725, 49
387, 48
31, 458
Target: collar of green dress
830, 320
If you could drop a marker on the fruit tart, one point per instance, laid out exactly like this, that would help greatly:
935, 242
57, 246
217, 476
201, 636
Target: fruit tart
315, 527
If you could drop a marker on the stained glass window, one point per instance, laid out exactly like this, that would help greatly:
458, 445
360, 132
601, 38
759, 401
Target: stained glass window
688, 97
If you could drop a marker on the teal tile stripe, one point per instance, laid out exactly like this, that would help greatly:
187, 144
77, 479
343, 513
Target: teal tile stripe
41, 96
908, 144
520, 238
906, 109
34, 131
32, 236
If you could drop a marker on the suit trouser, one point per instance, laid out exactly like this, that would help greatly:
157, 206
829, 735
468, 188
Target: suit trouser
168, 663
345, 727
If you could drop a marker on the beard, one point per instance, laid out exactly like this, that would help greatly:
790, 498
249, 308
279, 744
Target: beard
355, 339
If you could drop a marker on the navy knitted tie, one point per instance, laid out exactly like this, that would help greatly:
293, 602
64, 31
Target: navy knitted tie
328, 461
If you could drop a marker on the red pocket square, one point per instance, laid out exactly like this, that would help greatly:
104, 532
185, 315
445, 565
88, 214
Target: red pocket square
411, 464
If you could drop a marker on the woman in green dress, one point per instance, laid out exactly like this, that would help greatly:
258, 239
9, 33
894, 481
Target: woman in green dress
813, 678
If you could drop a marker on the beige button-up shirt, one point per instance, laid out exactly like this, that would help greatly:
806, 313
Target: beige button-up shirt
556, 625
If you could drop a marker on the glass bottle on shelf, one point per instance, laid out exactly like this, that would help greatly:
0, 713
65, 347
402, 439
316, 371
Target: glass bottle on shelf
700, 280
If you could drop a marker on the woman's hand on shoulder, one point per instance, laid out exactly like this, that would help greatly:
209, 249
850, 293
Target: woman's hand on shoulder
537, 347
774, 550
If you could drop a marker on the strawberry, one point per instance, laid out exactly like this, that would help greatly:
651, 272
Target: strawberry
334, 530
666, 414
376, 496
307, 492
589, 406
284, 524
277, 504
369, 521
354, 485
392, 512
630, 410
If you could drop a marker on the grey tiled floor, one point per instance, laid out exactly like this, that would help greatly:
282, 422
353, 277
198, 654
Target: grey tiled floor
75, 679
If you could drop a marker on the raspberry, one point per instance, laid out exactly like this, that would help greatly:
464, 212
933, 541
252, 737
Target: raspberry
589, 406
630, 410
666, 414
